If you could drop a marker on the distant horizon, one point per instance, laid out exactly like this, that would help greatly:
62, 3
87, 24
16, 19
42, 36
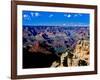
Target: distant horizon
59, 25
36, 18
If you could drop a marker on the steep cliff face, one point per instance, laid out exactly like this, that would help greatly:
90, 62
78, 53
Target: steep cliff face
79, 57
81, 53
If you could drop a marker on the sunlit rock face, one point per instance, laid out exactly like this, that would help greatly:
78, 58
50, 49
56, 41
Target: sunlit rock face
81, 53
63, 61
79, 57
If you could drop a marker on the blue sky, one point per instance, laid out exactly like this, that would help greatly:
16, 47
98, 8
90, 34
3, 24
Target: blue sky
54, 18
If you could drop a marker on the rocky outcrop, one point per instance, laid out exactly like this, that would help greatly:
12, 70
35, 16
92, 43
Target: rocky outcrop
79, 57
81, 53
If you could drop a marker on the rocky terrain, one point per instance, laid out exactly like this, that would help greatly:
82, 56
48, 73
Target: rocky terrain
55, 46
79, 57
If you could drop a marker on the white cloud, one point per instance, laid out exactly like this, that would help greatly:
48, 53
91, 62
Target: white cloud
69, 15
75, 15
25, 16
36, 14
32, 14
51, 15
